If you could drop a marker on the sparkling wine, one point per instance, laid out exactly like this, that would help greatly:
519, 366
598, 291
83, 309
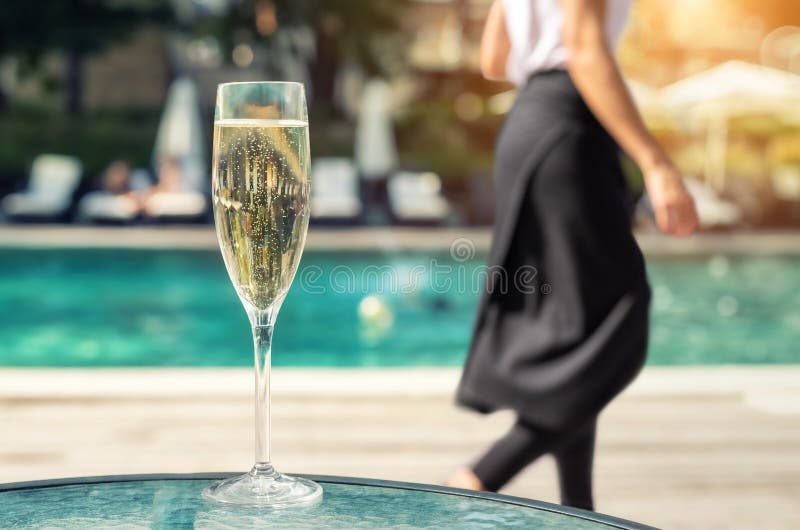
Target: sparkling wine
260, 191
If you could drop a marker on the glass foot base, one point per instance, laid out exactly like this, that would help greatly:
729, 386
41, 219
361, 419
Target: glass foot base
264, 487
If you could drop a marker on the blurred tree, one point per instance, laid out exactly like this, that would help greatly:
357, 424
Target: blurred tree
367, 33
363, 32
75, 27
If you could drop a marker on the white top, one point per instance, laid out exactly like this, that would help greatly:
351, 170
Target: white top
534, 28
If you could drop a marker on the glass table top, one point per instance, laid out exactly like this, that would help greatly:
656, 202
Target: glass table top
175, 502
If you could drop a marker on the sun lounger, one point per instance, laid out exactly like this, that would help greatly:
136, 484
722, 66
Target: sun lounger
180, 145
181, 205
334, 190
53, 181
416, 197
102, 206
712, 210
105, 207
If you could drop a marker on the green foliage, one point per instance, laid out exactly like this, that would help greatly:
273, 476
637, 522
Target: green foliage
96, 138
633, 175
32, 28
431, 136
330, 135
367, 32
346, 29
76, 27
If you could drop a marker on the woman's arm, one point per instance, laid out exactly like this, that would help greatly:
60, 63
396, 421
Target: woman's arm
495, 44
594, 72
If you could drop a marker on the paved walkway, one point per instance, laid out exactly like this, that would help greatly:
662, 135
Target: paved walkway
684, 448
390, 238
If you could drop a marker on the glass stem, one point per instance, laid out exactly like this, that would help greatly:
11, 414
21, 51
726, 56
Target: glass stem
263, 323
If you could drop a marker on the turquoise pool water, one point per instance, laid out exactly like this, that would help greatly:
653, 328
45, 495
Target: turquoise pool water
114, 307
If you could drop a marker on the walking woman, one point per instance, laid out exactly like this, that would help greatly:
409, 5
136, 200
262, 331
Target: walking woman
558, 345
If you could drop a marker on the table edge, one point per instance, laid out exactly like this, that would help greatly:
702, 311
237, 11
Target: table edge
609, 520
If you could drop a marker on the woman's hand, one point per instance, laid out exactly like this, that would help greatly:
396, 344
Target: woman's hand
673, 205
596, 75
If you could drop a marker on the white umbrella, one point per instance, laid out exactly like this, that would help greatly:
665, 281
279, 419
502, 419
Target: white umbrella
735, 88
375, 148
180, 134
647, 98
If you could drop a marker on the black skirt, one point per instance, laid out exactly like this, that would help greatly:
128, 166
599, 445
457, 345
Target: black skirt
562, 325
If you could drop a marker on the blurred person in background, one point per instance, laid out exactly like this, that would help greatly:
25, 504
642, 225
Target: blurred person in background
169, 182
116, 179
564, 329
170, 175
117, 182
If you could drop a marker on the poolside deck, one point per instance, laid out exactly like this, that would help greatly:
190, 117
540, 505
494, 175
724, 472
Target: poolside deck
684, 448
383, 238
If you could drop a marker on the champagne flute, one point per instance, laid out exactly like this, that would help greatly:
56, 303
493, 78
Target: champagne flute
260, 192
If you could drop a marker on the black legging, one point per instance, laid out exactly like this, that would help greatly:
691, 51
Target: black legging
573, 451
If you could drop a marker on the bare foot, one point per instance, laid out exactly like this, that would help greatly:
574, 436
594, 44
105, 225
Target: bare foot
465, 479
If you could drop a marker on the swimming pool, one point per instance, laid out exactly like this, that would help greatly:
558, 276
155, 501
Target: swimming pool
134, 307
